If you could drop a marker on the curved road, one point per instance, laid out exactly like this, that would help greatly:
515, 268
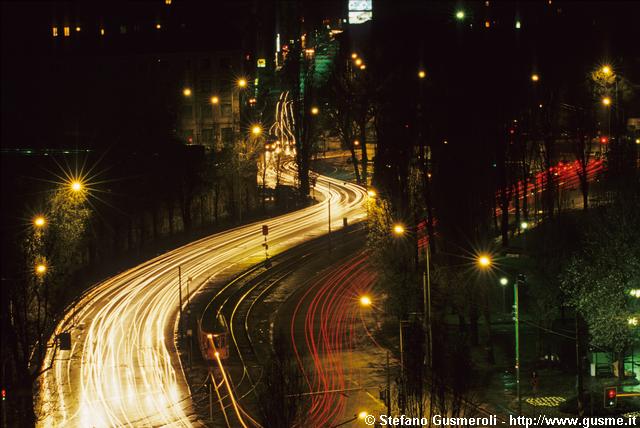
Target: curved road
123, 368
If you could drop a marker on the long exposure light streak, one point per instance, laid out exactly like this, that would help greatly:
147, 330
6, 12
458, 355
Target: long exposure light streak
123, 368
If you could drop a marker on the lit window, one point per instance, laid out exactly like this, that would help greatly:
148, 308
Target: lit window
66, 31
487, 24
55, 31
518, 25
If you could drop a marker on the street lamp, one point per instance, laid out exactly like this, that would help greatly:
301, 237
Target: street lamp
365, 301
315, 110
484, 261
256, 130
363, 66
422, 74
41, 269
215, 100
606, 70
76, 186
39, 221
354, 55
358, 62
606, 101
398, 229
504, 281
460, 15
524, 225
186, 92
535, 77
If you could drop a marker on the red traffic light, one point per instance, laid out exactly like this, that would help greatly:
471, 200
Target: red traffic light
610, 397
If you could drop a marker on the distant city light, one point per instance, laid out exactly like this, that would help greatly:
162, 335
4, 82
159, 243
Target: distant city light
354, 55
158, 26
358, 61
41, 268
215, 100
518, 25
363, 66
314, 110
54, 31
78, 29
398, 229
422, 74
256, 130
504, 281
606, 70
535, 77
606, 101
460, 15
102, 31
186, 92
242, 83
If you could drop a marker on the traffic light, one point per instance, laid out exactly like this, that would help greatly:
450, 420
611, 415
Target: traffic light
610, 397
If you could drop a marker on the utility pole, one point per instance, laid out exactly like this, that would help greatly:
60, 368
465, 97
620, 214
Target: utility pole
426, 295
516, 318
180, 296
329, 209
388, 395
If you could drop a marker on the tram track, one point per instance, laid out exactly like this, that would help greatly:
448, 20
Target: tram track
237, 301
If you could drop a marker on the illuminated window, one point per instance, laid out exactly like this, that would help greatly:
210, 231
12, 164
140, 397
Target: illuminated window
66, 31
55, 31
487, 24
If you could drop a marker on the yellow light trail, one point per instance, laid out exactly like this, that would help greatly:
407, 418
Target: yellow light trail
123, 369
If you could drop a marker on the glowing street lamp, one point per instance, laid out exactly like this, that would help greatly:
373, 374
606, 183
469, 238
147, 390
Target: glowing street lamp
242, 83
398, 229
215, 100
535, 77
186, 92
524, 225
76, 186
354, 55
363, 66
39, 221
460, 15
358, 62
315, 110
371, 193
422, 74
41, 268
504, 281
484, 261
606, 101
256, 130
606, 70
365, 301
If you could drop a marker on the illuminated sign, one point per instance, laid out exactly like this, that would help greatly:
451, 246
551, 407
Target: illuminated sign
262, 63
360, 11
